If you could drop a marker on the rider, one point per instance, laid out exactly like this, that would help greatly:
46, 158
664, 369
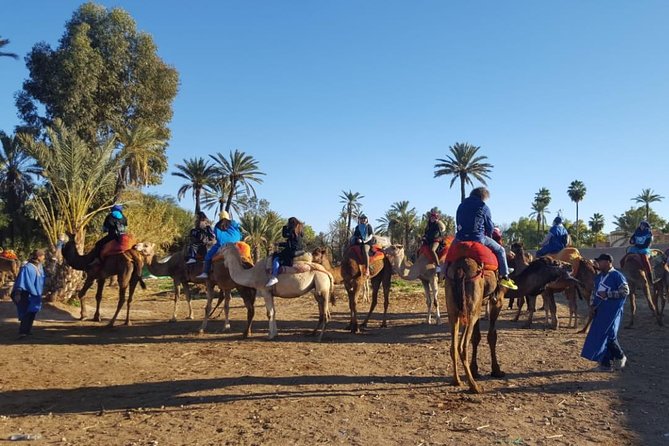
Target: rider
227, 231
200, 236
364, 236
556, 240
474, 223
292, 247
641, 240
115, 225
434, 235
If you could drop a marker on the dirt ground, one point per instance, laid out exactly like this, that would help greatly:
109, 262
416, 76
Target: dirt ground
159, 383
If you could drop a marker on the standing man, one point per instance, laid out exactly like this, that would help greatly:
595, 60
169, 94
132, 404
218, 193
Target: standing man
28, 290
607, 303
474, 223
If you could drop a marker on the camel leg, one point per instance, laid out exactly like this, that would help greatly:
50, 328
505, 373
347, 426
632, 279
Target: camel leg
531, 305
226, 295
465, 352
651, 298
495, 310
428, 300
519, 310
271, 315
386, 298
189, 298
131, 295
376, 284
455, 349
82, 294
434, 283
98, 299
632, 309
207, 308
121, 302
249, 296
175, 288
570, 293
551, 311
353, 325
476, 339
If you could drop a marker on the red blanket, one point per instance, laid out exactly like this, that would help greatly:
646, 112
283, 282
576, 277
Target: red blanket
118, 247
425, 250
376, 254
475, 251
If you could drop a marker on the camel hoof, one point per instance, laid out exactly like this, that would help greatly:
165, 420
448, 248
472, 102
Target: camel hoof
173, 320
190, 318
456, 383
200, 332
227, 327
438, 321
384, 324
128, 324
476, 375
97, 319
498, 374
476, 388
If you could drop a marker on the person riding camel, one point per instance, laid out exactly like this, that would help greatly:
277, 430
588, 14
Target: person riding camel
364, 237
474, 223
640, 241
556, 240
226, 231
497, 235
434, 236
200, 237
292, 247
115, 225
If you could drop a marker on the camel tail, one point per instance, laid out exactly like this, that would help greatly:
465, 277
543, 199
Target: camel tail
460, 297
141, 283
333, 298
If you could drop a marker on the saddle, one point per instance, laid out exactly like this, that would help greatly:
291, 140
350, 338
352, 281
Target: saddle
8, 254
376, 253
475, 251
114, 247
243, 249
441, 252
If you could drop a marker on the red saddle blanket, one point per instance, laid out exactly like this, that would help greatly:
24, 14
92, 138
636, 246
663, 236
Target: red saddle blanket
375, 254
474, 250
8, 254
114, 247
441, 253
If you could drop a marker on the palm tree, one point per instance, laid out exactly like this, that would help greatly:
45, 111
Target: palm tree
387, 225
351, 208
198, 173
406, 218
647, 197
4, 42
215, 195
239, 169
596, 223
16, 182
273, 225
576, 192
540, 208
143, 153
254, 227
463, 163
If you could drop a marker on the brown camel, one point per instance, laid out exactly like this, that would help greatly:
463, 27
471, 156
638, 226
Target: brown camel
315, 278
127, 267
320, 255
661, 276
468, 287
425, 270
518, 259
8, 268
183, 274
353, 273
634, 271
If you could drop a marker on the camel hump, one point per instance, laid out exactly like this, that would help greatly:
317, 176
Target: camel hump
113, 247
473, 250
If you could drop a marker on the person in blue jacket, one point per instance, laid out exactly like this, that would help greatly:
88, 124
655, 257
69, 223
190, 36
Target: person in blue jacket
474, 223
556, 240
364, 236
27, 292
640, 241
607, 302
227, 231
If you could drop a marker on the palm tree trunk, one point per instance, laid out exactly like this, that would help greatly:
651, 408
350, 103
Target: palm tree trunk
577, 225
462, 188
349, 215
198, 191
647, 211
233, 185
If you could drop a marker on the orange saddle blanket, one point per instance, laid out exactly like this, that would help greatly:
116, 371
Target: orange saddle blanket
441, 253
244, 251
114, 247
474, 250
375, 254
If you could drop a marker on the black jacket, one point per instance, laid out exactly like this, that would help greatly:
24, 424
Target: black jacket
115, 226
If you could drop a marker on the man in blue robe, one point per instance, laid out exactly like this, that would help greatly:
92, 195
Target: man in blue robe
28, 290
607, 302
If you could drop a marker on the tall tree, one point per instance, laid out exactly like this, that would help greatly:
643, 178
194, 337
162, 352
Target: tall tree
215, 195
198, 173
407, 219
103, 76
143, 155
540, 208
5, 42
351, 208
464, 163
576, 192
596, 223
16, 181
646, 198
239, 169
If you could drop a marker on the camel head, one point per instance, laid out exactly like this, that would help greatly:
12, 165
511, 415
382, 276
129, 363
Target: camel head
147, 249
318, 254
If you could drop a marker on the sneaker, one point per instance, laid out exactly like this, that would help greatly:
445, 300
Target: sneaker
604, 368
437, 269
508, 283
190, 261
620, 364
202, 276
271, 282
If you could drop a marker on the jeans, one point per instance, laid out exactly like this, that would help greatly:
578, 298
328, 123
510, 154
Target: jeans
500, 253
209, 256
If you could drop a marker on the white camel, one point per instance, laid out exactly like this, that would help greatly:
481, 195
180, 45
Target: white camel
290, 285
422, 270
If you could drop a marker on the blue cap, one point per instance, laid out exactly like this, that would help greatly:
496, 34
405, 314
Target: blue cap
117, 207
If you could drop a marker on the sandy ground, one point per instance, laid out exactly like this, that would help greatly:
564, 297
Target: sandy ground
158, 383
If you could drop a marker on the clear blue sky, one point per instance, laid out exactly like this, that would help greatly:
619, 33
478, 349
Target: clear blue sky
365, 95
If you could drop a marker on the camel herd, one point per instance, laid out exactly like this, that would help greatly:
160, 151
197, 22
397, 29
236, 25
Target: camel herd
470, 288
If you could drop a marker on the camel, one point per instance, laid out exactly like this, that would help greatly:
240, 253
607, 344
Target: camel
583, 271
518, 259
352, 271
632, 268
182, 274
425, 270
127, 267
661, 275
320, 255
468, 287
315, 278
8, 267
